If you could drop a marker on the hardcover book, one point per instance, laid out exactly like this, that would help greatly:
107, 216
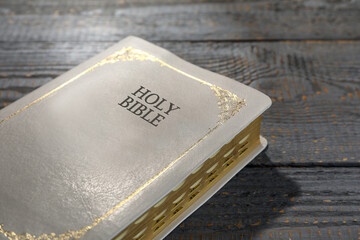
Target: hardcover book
123, 146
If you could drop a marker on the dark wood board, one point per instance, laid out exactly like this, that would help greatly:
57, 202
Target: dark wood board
304, 54
280, 203
315, 87
28, 20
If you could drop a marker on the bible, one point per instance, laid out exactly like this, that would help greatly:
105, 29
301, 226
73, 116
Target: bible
124, 146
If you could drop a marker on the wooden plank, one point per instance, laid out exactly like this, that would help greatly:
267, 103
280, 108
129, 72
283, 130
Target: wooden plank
112, 20
306, 184
290, 233
315, 88
280, 203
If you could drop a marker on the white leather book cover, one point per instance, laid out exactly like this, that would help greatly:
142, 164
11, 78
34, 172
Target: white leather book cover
86, 154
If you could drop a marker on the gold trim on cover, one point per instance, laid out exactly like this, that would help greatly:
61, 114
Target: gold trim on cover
229, 104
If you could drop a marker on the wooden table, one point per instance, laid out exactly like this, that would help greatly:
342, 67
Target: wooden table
304, 54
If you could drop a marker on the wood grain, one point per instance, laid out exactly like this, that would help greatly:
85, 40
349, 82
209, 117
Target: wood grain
280, 203
307, 183
178, 20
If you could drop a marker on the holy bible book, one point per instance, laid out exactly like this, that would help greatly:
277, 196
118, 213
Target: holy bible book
123, 146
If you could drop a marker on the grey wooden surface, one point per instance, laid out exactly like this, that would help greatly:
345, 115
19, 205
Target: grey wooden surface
304, 54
